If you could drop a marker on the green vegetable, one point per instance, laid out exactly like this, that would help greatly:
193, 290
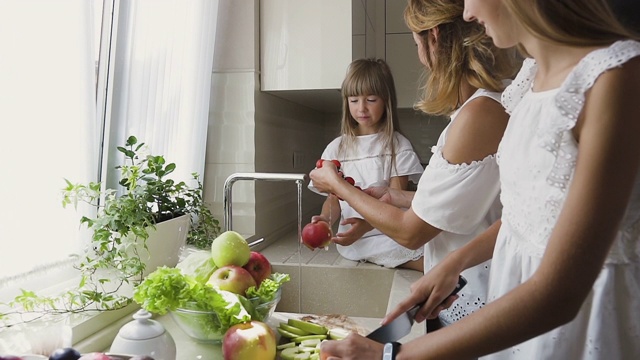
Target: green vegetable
268, 288
168, 289
198, 264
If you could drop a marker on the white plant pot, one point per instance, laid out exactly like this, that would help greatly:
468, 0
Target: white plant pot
165, 244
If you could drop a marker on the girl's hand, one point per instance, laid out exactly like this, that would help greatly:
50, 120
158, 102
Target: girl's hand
316, 218
435, 287
353, 347
325, 177
359, 227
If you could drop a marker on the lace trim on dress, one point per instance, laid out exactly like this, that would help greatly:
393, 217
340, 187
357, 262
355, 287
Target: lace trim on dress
554, 135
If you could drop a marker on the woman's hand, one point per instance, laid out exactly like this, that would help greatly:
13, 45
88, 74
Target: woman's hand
434, 289
393, 196
325, 178
353, 347
358, 228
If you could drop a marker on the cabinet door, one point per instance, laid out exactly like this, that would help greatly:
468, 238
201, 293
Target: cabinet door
305, 44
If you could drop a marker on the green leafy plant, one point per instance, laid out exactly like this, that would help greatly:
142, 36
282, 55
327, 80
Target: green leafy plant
148, 196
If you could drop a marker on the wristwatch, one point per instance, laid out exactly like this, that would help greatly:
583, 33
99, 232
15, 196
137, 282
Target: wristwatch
391, 349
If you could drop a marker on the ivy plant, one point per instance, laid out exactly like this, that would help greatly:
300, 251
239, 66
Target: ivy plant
148, 197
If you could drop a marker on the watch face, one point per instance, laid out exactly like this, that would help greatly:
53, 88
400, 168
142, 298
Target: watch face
387, 353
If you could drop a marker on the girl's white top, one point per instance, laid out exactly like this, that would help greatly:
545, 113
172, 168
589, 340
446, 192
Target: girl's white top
461, 200
537, 159
370, 165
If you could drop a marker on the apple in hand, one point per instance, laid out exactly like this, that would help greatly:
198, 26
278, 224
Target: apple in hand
252, 340
232, 278
230, 248
258, 266
316, 235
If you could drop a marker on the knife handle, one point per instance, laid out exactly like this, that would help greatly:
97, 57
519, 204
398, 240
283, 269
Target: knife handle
461, 283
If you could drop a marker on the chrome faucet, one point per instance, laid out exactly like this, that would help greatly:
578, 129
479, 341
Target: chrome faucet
228, 184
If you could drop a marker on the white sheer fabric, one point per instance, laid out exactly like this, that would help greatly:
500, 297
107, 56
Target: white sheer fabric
162, 80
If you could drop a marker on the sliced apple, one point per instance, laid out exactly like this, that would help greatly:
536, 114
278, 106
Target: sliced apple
293, 329
308, 326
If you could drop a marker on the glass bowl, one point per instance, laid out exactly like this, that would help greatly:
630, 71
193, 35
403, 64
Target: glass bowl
204, 326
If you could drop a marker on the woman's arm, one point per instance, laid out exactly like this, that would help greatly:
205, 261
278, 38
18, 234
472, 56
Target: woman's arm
436, 285
478, 128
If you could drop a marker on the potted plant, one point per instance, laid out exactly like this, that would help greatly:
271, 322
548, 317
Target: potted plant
120, 234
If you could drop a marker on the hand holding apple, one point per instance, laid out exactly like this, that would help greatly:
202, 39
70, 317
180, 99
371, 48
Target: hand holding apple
252, 340
317, 235
232, 278
258, 266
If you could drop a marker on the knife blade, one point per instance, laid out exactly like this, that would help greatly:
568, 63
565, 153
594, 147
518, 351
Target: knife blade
401, 326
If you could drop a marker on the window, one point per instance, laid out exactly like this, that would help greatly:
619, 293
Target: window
70, 83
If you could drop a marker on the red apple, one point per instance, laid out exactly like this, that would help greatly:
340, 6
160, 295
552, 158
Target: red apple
252, 340
316, 235
258, 266
232, 278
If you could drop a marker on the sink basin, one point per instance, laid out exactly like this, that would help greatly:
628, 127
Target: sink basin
352, 291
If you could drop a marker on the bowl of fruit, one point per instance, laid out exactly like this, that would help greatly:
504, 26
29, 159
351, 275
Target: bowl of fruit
209, 291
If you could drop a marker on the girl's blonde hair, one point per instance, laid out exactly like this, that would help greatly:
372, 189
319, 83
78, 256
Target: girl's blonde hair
464, 52
571, 22
369, 77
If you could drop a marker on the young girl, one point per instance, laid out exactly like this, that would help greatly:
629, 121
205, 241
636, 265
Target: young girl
457, 197
372, 152
565, 277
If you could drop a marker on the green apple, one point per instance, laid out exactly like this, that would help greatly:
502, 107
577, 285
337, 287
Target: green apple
230, 248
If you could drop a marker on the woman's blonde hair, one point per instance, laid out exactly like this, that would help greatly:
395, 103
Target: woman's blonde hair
463, 52
369, 77
571, 22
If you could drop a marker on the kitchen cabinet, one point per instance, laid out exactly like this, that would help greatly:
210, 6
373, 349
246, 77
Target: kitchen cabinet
305, 44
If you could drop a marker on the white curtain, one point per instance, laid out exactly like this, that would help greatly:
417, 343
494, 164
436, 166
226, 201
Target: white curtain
48, 129
162, 80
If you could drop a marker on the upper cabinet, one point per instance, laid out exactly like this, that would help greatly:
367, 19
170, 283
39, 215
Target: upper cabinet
307, 45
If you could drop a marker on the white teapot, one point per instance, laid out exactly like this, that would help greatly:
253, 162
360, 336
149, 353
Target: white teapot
144, 336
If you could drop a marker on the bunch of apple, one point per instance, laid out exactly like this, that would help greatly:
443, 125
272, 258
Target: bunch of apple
238, 268
305, 338
348, 179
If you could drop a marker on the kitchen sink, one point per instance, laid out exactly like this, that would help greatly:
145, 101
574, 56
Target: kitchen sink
351, 291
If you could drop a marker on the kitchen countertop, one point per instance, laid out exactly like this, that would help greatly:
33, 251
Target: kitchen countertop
189, 349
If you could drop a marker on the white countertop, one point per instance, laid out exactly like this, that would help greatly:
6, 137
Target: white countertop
189, 349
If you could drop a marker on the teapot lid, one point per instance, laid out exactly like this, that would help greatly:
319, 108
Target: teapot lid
142, 328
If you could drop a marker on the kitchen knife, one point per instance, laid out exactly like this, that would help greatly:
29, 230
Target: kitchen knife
401, 326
